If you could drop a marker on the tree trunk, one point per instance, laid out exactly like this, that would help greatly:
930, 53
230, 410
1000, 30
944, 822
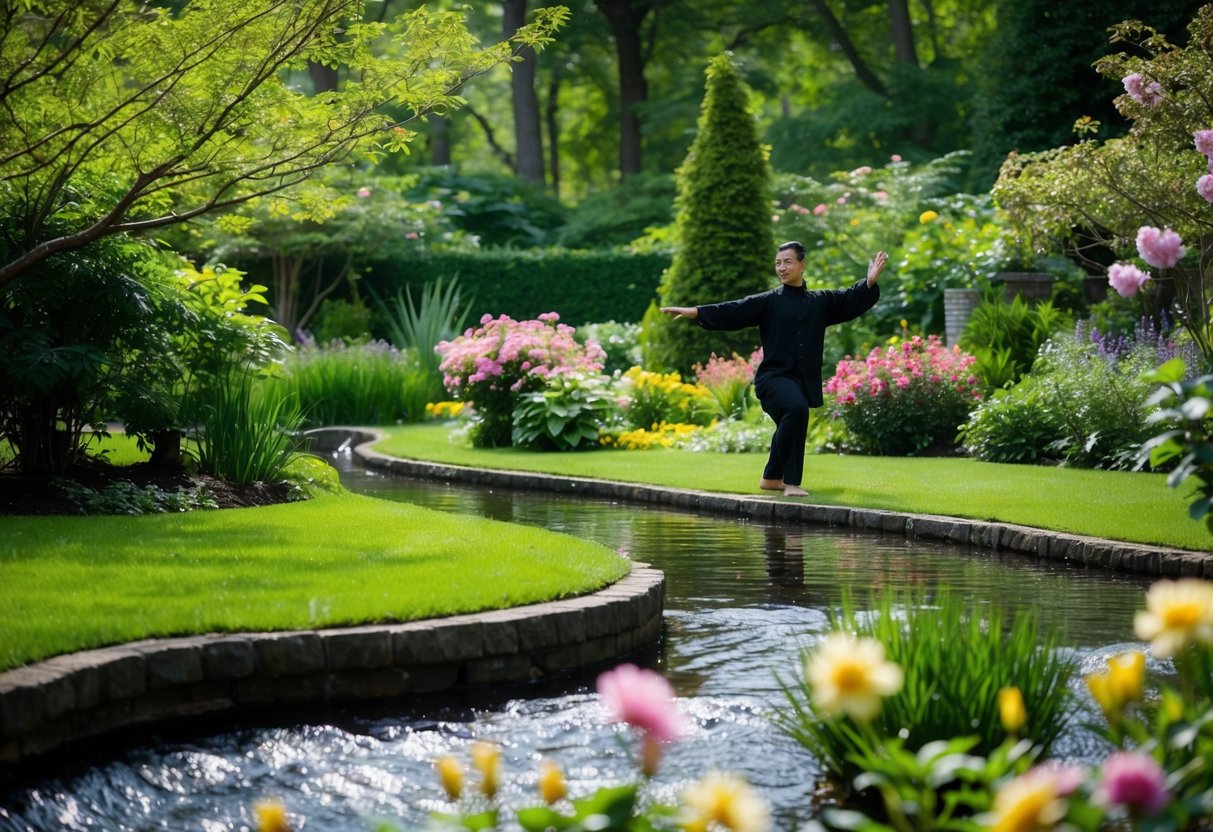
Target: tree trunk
553, 125
626, 18
324, 78
865, 75
440, 140
528, 154
903, 32
166, 449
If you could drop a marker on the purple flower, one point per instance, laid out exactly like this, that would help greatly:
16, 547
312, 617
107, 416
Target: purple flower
1204, 187
1134, 781
1161, 249
1126, 279
1203, 139
1145, 93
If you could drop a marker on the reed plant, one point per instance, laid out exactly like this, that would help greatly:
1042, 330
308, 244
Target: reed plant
360, 384
246, 430
955, 659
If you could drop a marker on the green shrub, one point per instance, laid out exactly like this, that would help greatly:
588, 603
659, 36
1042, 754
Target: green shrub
1085, 402
565, 415
1005, 337
620, 342
123, 497
342, 320
359, 384
246, 430
492, 209
905, 398
583, 286
723, 227
419, 327
955, 658
649, 399
618, 215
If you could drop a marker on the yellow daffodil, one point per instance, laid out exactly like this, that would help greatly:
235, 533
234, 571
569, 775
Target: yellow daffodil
271, 817
727, 800
451, 776
1027, 804
928, 216
551, 782
1177, 614
1101, 691
1011, 710
850, 675
486, 759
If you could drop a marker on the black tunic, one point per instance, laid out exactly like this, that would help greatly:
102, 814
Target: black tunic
792, 322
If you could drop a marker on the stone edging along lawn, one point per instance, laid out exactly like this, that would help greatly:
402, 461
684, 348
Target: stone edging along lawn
88, 694
1073, 549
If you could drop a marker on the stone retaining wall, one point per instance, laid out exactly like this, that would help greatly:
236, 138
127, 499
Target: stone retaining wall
1068, 548
91, 693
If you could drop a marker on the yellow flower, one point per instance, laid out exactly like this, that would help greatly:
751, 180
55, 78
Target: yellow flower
551, 782
486, 759
727, 800
854, 221
1177, 613
850, 675
1011, 710
1126, 676
451, 776
271, 817
1101, 691
1027, 804
927, 216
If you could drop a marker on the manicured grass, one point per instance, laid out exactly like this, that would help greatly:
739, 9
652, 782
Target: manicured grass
72, 583
1117, 505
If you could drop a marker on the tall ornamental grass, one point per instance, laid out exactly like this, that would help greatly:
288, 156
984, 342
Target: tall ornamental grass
437, 316
362, 384
246, 430
955, 659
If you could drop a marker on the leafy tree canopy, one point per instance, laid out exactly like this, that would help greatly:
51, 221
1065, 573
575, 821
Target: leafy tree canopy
119, 116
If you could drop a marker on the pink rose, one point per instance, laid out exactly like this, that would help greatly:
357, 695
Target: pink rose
643, 699
1161, 249
1126, 279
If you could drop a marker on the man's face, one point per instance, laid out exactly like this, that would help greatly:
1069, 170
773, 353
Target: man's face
789, 268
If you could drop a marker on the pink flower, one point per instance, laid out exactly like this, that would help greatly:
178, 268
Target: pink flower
820, 209
363, 193
1204, 187
1161, 249
896, 157
862, 170
880, 196
1126, 279
774, 218
642, 699
412, 235
1141, 91
1135, 781
842, 200
1203, 139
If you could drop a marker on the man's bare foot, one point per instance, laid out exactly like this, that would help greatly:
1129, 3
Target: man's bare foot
771, 485
794, 491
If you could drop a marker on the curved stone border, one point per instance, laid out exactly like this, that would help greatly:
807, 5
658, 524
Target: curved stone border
1073, 549
84, 695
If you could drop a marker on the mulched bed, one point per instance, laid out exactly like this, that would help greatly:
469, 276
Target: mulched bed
43, 495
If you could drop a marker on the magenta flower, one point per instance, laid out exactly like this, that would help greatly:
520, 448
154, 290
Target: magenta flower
1203, 139
1126, 279
642, 699
1147, 93
1204, 187
1161, 249
1135, 781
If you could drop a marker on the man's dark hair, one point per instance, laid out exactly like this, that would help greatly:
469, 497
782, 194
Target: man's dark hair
794, 246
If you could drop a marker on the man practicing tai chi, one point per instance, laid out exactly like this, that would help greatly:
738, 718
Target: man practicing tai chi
792, 322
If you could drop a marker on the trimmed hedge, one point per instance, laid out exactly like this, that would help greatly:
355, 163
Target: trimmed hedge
583, 286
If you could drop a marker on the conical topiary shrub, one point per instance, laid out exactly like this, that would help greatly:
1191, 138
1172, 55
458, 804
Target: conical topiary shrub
724, 245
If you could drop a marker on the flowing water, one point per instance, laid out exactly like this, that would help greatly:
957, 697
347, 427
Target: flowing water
742, 599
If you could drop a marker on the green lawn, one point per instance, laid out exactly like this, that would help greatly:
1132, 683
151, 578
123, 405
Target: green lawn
1117, 505
72, 583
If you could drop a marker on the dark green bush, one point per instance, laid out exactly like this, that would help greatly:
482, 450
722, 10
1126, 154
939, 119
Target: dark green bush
618, 215
1005, 337
582, 286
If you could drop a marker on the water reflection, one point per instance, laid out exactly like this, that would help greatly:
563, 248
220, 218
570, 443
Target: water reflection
742, 598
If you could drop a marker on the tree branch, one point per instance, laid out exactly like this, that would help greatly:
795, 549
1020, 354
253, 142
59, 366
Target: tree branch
862, 72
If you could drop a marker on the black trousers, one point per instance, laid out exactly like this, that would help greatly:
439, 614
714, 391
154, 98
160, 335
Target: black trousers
784, 399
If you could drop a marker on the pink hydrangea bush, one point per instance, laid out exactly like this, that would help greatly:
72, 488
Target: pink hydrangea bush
494, 363
907, 397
